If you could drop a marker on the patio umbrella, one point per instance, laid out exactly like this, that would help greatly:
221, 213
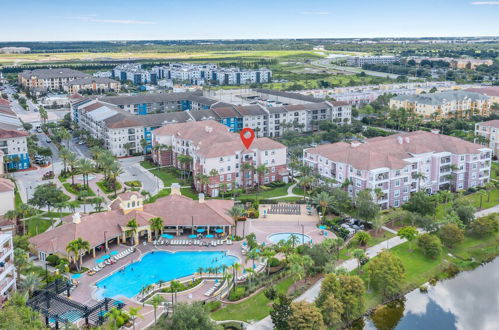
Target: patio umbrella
113, 253
209, 236
107, 256
322, 227
257, 250
200, 230
75, 276
219, 230
167, 236
192, 236
99, 261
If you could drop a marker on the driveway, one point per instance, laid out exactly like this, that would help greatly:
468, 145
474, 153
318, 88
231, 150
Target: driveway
133, 171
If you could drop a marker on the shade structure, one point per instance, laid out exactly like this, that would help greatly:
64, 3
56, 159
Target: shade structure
322, 227
219, 230
99, 261
257, 250
192, 236
75, 276
167, 236
209, 236
113, 253
200, 230
107, 256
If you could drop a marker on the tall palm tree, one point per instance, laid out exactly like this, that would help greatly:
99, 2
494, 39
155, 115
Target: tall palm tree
30, 283
267, 254
419, 176
235, 212
83, 246
114, 172
117, 316
185, 162
21, 261
156, 225
156, 301
203, 180
260, 171
72, 250
86, 167
324, 201
247, 167
64, 154
175, 286
305, 183
134, 313
132, 228
72, 163
235, 268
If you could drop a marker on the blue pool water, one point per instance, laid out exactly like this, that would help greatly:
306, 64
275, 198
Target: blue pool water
275, 238
157, 266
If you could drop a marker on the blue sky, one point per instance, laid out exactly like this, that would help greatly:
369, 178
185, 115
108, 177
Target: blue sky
44, 20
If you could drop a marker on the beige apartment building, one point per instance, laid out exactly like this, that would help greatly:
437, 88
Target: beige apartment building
489, 131
444, 104
48, 79
92, 85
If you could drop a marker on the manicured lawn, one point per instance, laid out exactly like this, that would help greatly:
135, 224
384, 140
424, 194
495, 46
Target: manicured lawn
494, 171
346, 253
103, 187
298, 190
162, 193
166, 174
442, 209
189, 192
37, 225
273, 192
252, 309
75, 191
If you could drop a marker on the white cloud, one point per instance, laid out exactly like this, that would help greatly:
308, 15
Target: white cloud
315, 13
485, 3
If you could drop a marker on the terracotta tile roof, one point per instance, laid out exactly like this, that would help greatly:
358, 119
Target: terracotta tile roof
176, 210
6, 185
7, 134
226, 112
4, 102
391, 151
492, 123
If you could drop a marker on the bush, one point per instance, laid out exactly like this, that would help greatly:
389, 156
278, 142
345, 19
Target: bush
253, 213
237, 294
485, 226
275, 184
274, 262
451, 234
451, 270
52, 260
430, 245
133, 184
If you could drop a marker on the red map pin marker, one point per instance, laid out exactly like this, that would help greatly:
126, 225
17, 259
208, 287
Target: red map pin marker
247, 136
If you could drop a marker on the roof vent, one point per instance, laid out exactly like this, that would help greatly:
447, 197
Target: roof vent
400, 140
354, 144
435, 131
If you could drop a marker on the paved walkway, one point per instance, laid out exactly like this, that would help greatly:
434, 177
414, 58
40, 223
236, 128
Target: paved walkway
483, 213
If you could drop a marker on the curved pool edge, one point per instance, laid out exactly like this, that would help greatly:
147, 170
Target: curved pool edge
290, 233
95, 288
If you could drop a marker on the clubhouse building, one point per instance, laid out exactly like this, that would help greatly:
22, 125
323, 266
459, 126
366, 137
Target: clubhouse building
180, 214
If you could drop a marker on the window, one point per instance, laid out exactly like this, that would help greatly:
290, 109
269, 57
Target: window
221, 178
462, 158
406, 179
221, 159
228, 168
396, 203
273, 177
406, 189
358, 183
397, 172
229, 177
396, 193
397, 183
273, 170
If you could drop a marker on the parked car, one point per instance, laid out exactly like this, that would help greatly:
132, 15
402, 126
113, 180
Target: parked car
49, 175
48, 140
39, 130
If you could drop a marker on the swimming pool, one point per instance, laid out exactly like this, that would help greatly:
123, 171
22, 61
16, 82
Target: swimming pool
276, 238
158, 266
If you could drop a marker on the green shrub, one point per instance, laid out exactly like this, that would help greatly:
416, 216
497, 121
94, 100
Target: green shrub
212, 306
52, 260
237, 294
485, 226
274, 262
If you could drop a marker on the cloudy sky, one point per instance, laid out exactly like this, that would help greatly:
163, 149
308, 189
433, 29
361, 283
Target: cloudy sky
44, 20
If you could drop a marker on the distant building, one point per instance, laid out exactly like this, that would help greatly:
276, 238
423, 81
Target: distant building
7, 188
133, 72
219, 155
14, 145
401, 164
489, 130
14, 50
8, 274
361, 60
457, 63
444, 104
49, 79
92, 85
490, 91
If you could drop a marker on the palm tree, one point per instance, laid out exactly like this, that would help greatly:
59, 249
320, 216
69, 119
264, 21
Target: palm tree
82, 247
86, 167
359, 254
156, 301
30, 283
419, 176
235, 213
253, 255
21, 261
203, 180
65, 136
247, 167
156, 224
305, 183
174, 288
72, 250
43, 114
132, 228
323, 200
64, 154
235, 268
293, 240
200, 271
184, 160
489, 186
117, 316
267, 254
134, 313
114, 172
72, 163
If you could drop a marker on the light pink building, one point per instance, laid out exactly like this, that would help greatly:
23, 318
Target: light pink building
216, 150
400, 164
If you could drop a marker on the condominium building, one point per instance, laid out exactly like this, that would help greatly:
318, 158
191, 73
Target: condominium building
14, 145
361, 60
92, 85
7, 269
457, 63
490, 91
200, 74
444, 104
133, 72
219, 156
49, 79
489, 131
7, 190
400, 164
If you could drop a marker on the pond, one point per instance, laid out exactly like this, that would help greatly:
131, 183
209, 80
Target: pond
468, 301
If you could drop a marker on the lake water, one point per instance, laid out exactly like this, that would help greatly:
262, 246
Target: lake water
469, 301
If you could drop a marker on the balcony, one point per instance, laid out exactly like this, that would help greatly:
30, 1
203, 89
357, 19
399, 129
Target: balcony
445, 160
382, 176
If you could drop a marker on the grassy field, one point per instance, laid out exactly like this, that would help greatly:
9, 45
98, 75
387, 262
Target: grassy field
37, 225
166, 174
253, 309
274, 192
494, 173
346, 253
442, 209
8, 59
